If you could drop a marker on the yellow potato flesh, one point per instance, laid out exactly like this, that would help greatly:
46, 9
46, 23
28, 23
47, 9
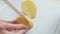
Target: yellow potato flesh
21, 20
29, 8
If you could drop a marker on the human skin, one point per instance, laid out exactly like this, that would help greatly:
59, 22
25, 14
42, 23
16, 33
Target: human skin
7, 27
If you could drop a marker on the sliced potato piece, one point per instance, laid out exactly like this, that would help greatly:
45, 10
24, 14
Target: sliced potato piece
29, 8
21, 20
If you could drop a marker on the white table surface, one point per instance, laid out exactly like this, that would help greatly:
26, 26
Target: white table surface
46, 19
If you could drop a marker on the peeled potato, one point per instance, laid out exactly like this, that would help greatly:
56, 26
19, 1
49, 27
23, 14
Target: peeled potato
21, 20
29, 8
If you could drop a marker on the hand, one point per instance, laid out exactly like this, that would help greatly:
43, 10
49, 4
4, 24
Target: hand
9, 28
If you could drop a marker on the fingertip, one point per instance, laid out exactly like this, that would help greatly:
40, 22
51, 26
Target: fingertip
22, 26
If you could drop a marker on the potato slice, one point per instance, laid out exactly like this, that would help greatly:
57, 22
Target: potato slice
29, 8
21, 20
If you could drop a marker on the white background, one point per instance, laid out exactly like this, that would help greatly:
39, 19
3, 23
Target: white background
46, 20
